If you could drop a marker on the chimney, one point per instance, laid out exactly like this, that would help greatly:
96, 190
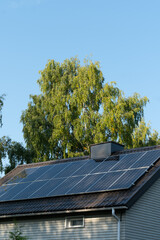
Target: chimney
104, 150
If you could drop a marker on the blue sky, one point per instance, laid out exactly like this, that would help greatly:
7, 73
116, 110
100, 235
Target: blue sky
123, 35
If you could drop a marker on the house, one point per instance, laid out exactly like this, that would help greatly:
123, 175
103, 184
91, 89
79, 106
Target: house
112, 194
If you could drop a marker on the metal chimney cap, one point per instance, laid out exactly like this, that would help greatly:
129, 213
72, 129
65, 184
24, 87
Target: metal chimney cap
104, 150
105, 143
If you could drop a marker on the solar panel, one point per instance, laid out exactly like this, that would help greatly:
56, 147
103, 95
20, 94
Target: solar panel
12, 191
85, 183
104, 166
54, 170
45, 189
21, 175
148, 159
89, 167
127, 179
105, 181
4, 189
29, 190
65, 186
72, 169
82, 176
36, 174
127, 160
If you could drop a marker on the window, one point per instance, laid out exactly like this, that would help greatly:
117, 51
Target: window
74, 222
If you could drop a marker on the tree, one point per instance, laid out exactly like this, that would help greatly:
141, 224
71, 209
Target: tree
75, 109
142, 136
2, 142
17, 154
1, 105
14, 151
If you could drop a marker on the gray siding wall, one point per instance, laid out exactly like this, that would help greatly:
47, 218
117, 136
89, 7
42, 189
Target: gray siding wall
96, 228
142, 220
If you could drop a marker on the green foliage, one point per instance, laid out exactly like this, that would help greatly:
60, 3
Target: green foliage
17, 234
1, 105
15, 152
142, 136
4, 142
75, 109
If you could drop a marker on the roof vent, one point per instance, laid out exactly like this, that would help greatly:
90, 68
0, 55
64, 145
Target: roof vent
104, 150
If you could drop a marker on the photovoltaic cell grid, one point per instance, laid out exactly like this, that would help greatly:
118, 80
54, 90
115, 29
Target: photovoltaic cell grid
83, 176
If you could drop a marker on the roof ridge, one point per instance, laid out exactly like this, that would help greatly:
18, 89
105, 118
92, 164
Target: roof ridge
54, 161
140, 149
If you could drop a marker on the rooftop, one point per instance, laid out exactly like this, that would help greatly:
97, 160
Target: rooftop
75, 184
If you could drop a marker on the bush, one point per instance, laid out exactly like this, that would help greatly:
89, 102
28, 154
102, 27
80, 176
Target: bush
17, 234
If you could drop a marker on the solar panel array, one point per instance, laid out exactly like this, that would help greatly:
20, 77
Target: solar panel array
83, 176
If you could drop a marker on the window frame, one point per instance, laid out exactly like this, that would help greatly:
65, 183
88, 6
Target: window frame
69, 219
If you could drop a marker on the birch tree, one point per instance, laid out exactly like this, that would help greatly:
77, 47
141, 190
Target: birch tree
76, 108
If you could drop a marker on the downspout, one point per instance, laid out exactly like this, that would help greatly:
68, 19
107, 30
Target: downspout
118, 223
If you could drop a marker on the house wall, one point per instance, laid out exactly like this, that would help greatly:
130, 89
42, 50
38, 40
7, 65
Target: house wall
96, 228
142, 220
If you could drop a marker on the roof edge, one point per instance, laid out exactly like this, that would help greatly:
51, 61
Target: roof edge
64, 212
144, 188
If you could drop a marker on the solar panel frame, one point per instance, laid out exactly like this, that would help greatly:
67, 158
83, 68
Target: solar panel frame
128, 179
56, 169
13, 191
89, 167
83, 185
28, 190
44, 190
36, 174
127, 161
19, 176
63, 188
5, 188
71, 169
104, 166
148, 159
42, 176
105, 181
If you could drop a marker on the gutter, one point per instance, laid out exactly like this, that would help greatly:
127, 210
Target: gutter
118, 224
64, 212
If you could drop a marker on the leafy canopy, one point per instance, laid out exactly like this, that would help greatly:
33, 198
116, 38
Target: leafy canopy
77, 108
14, 151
